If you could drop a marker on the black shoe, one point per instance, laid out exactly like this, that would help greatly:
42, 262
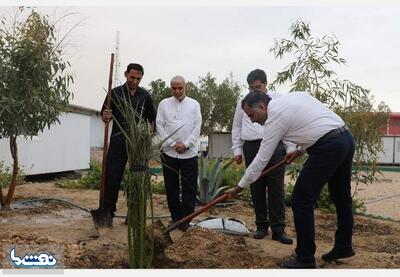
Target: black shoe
282, 238
184, 226
336, 253
101, 218
293, 263
260, 233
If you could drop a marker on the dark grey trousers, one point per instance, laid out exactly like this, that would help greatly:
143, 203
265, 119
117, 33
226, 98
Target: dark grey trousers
269, 207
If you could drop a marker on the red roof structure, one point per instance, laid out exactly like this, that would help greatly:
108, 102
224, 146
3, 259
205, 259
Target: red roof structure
393, 125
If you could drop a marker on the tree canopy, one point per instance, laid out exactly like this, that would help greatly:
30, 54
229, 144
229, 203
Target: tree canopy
310, 71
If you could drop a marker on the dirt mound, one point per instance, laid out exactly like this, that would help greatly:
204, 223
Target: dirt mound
204, 248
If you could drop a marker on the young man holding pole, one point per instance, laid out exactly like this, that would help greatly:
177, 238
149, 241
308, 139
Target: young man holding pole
141, 101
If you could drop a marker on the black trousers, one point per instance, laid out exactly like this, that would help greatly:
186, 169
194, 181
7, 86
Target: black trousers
269, 208
115, 166
186, 185
329, 161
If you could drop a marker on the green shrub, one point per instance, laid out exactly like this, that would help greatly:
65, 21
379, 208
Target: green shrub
232, 175
91, 180
6, 175
69, 184
324, 202
157, 187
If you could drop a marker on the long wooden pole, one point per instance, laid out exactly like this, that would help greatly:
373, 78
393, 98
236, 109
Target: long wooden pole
106, 125
215, 201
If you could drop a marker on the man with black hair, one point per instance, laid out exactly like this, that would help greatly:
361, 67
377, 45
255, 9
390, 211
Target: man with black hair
246, 138
141, 101
303, 120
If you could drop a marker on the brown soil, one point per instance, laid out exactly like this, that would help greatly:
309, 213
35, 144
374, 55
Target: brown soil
376, 242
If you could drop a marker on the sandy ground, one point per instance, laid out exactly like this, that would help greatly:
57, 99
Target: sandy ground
382, 198
376, 241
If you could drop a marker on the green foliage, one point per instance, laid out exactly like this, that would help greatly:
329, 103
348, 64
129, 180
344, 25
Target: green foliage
366, 123
157, 187
138, 135
91, 180
218, 103
210, 177
324, 202
69, 184
159, 91
34, 81
310, 71
34, 76
5, 176
232, 175
288, 194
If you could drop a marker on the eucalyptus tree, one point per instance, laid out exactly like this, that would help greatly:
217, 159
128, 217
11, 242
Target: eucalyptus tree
34, 81
311, 70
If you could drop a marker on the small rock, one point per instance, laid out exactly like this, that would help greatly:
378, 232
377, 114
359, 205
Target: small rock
42, 240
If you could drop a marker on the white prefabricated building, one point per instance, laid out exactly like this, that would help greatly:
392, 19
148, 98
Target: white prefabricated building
64, 147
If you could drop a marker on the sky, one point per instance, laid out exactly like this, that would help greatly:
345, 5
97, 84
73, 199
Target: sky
223, 38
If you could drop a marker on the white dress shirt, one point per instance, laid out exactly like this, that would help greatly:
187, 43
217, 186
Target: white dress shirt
243, 129
296, 117
184, 115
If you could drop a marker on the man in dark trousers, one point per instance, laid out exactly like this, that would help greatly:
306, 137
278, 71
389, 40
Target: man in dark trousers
269, 208
179, 123
303, 120
141, 101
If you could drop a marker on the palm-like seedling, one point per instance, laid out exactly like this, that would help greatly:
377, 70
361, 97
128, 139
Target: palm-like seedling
141, 149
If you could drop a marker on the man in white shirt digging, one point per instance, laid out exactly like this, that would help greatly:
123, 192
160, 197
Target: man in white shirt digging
180, 157
301, 119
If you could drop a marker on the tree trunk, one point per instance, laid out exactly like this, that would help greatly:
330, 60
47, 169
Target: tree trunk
210, 144
210, 141
14, 154
2, 200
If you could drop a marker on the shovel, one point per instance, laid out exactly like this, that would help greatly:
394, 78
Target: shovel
215, 201
100, 217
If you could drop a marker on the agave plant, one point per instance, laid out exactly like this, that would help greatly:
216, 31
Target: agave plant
211, 172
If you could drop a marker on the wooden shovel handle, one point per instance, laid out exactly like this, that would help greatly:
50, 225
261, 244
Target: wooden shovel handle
106, 125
